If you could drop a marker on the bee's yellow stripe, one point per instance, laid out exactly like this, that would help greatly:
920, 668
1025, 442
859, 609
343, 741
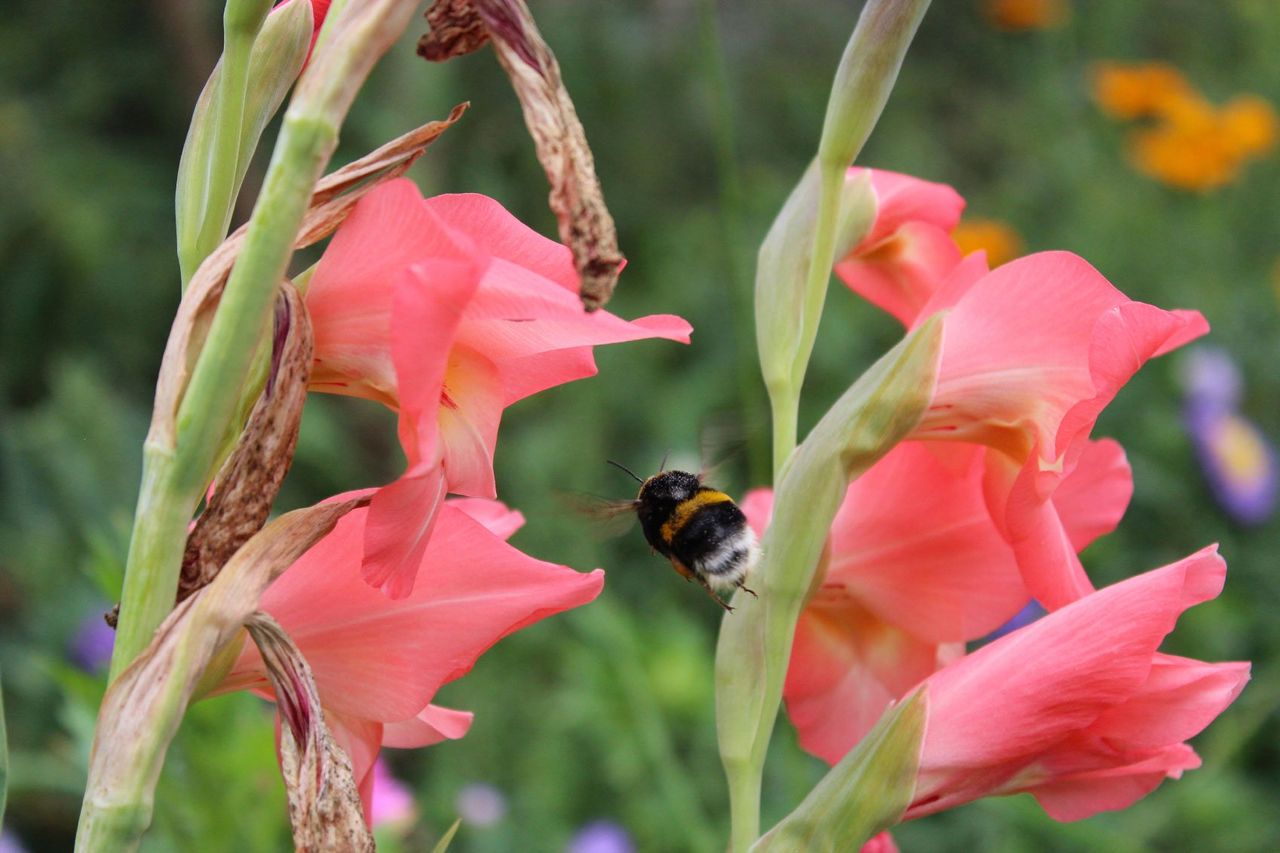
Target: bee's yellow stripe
685, 510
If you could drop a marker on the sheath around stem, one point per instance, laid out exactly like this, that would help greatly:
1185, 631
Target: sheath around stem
880, 409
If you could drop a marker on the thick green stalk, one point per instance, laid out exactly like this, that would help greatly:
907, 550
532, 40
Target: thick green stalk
868, 69
754, 647
174, 478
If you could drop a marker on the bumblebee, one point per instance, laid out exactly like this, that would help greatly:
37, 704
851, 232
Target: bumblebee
699, 529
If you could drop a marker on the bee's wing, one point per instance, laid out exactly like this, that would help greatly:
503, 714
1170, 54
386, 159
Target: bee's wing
613, 517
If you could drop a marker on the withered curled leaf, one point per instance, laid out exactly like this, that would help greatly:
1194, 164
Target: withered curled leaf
144, 705
585, 224
324, 802
250, 479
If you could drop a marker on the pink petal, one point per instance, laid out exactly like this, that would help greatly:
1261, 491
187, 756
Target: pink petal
502, 235
525, 320
428, 308
497, 517
846, 667
882, 843
1036, 349
903, 271
1108, 789
1179, 699
432, 725
401, 517
908, 251
1092, 499
350, 296
994, 711
901, 199
1125, 338
914, 543
471, 407
757, 506
383, 659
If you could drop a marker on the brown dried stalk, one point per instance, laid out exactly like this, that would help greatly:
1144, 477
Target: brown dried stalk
324, 802
585, 224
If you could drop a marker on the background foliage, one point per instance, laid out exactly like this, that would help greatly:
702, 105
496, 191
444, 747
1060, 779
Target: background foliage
701, 116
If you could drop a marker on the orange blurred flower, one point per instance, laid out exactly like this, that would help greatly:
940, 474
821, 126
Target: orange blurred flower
1026, 14
1001, 243
1188, 142
1139, 89
1250, 124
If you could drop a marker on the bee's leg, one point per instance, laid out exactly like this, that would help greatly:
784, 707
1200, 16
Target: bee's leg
742, 586
711, 592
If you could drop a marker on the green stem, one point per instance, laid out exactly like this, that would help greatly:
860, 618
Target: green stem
784, 401
744, 799
174, 481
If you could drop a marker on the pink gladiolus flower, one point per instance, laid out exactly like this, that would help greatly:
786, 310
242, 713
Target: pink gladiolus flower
378, 661
1033, 352
1079, 708
915, 569
447, 310
909, 249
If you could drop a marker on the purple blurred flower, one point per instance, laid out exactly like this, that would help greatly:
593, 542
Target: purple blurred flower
1021, 619
392, 801
1210, 378
1238, 462
9, 843
91, 647
479, 804
601, 836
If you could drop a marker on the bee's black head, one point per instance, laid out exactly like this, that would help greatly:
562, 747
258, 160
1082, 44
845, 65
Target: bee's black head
668, 489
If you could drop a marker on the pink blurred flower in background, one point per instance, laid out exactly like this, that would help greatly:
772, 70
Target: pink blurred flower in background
378, 661
390, 800
447, 310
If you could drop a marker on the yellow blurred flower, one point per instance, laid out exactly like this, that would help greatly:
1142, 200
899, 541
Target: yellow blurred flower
1001, 243
1026, 14
1134, 90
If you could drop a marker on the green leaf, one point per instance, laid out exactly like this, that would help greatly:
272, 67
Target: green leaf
445, 840
865, 793
4, 760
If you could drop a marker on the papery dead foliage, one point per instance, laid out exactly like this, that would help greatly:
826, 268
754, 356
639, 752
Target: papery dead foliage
334, 197
324, 801
144, 705
585, 224
250, 479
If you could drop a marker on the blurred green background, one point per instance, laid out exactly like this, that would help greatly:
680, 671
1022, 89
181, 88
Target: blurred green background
701, 117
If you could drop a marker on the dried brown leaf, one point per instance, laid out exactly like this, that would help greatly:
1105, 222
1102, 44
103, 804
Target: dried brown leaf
324, 801
251, 477
144, 705
576, 199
